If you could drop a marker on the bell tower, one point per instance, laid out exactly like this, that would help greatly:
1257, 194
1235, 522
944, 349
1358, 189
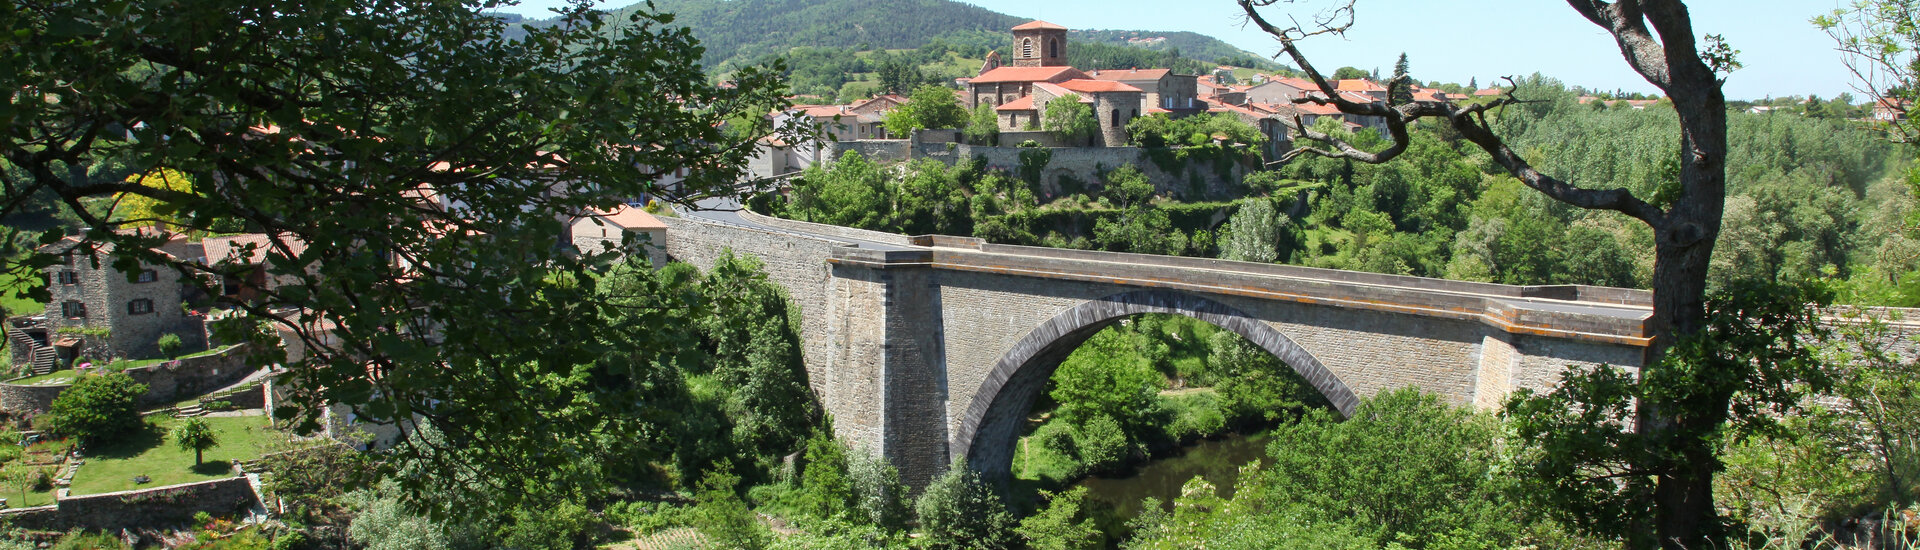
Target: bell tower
1039, 44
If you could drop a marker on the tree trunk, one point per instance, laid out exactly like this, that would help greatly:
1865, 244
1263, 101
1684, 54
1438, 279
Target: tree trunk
1684, 514
196, 457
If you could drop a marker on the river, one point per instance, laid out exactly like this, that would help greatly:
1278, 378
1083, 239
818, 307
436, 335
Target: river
1218, 461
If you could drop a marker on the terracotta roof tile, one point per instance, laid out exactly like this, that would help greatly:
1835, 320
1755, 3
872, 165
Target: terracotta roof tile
1025, 103
1084, 85
1132, 74
1028, 74
1037, 25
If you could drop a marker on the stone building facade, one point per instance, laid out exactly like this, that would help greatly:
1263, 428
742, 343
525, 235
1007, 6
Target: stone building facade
1039, 44
101, 312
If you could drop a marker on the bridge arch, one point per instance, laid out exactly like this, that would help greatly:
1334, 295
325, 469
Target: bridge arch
991, 425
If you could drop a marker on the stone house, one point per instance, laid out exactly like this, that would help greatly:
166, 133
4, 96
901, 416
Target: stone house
101, 312
1160, 88
608, 230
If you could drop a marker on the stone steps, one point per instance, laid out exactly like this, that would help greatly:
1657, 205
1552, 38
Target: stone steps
189, 411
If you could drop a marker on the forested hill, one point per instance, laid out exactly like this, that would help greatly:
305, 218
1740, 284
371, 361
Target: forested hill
740, 30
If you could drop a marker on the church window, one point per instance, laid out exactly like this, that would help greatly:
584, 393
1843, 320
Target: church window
1116, 118
1053, 48
1026, 48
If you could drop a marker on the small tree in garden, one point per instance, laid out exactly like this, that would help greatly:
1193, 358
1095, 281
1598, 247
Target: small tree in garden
170, 346
16, 475
194, 435
97, 408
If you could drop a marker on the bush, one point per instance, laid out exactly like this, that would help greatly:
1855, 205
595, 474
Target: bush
1061, 525
170, 345
959, 511
880, 498
86, 540
1103, 446
568, 525
97, 408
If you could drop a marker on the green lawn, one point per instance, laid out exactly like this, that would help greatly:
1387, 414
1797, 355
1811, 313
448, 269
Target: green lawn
150, 453
64, 376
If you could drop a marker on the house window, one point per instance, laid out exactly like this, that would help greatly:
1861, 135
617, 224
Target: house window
73, 309
69, 278
140, 307
146, 276
66, 259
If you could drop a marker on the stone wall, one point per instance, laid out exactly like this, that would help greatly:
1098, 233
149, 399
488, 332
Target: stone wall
839, 308
167, 382
159, 506
1085, 164
176, 380
25, 399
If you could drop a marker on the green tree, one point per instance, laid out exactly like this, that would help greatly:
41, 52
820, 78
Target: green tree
825, 491
983, 126
930, 106
1061, 525
880, 499
346, 119
194, 435
169, 345
1658, 41
16, 474
1400, 89
958, 511
1138, 225
1069, 120
851, 191
1253, 234
1349, 73
97, 408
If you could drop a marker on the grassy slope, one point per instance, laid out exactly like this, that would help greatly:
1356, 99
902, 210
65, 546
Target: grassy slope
112, 467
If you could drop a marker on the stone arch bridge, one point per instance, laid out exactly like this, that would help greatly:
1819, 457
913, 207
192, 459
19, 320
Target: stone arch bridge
930, 348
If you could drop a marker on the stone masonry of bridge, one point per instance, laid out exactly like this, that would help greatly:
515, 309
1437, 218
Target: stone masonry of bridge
931, 348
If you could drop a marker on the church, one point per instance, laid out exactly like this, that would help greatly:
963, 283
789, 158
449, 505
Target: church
1020, 91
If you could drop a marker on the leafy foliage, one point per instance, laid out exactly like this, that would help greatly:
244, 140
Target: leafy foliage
97, 408
194, 435
1061, 525
928, 107
958, 511
1069, 120
412, 168
1752, 364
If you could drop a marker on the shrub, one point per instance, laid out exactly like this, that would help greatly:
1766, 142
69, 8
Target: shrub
879, 497
1055, 527
959, 511
567, 525
825, 491
89, 540
97, 408
1103, 445
170, 345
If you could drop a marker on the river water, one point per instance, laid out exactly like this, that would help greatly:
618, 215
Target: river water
1218, 461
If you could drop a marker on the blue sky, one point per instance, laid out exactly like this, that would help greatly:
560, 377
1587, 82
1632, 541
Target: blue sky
1485, 39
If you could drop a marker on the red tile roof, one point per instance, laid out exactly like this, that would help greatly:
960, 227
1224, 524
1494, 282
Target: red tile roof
1028, 74
1025, 103
1097, 86
1132, 74
1038, 25
628, 217
1058, 91
1357, 85
1484, 92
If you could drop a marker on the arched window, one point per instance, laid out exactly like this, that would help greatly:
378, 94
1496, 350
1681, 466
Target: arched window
1053, 48
1026, 47
1133, 115
1116, 118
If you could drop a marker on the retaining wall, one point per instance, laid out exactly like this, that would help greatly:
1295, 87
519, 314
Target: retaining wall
170, 505
1194, 179
166, 382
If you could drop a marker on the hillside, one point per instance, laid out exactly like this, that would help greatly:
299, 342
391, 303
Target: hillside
737, 31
